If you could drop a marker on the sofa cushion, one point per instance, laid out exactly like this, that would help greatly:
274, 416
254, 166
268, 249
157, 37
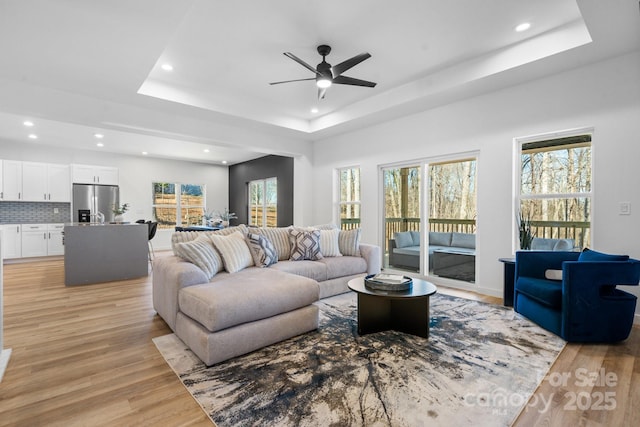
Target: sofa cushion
415, 236
201, 253
547, 292
439, 239
463, 240
252, 294
279, 236
543, 244
344, 266
403, 239
305, 244
234, 251
349, 242
329, 246
409, 250
263, 252
589, 255
315, 270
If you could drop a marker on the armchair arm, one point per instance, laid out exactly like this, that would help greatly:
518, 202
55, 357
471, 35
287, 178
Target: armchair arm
535, 263
593, 310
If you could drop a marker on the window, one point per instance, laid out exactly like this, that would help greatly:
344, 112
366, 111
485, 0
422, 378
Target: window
182, 208
263, 202
555, 187
349, 204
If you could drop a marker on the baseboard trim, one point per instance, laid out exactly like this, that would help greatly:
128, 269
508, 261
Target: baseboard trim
636, 319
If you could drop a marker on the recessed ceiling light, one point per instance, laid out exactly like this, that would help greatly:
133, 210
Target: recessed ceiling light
144, 153
98, 135
523, 27
33, 136
100, 144
224, 162
314, 110
167, 67
206, 150
27, 123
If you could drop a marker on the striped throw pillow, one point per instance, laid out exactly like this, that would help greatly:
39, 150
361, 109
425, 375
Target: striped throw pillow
234, 251
201, 253
349, 242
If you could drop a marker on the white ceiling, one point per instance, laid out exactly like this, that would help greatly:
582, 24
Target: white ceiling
80, 67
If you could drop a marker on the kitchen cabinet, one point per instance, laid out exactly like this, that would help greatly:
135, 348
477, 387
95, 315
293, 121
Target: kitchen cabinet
11, 180
89, 174
45, 182
55, 239
11, 240
34, 240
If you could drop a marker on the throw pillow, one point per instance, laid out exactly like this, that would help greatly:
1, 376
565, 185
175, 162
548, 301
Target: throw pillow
201, 253
263, 252
553, 275
589, 255
403, 239
349, 242
329, 246
234, 251
437, 238
305, 244
279, 236
328, 226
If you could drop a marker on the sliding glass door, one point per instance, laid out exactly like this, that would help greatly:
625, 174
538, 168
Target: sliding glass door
448, 189
402, 217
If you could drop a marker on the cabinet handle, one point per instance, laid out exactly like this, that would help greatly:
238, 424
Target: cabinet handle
19, 196
17, 228
45, 196
45, 236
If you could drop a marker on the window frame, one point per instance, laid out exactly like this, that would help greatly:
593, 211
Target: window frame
265, 205
179, 205
518, 197
338, 196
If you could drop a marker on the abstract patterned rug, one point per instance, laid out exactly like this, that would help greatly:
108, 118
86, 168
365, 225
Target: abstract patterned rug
478, 367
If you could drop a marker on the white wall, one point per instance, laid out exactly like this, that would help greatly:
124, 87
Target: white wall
605, 96
135, 177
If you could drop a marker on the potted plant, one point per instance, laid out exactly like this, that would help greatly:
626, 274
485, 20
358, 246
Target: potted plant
524, 229
119, 211
226, 216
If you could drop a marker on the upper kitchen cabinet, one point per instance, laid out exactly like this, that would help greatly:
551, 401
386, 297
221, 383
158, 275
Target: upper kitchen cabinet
45, 182
11, 180
88, 174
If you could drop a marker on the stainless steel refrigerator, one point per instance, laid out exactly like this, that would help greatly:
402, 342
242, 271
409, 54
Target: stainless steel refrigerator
89, 199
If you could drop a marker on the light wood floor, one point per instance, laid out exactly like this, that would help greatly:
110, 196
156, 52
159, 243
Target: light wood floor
83, 356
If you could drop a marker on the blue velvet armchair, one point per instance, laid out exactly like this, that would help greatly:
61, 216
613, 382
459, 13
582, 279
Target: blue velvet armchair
583, 305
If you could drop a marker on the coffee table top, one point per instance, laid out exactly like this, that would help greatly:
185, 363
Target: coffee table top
420, 288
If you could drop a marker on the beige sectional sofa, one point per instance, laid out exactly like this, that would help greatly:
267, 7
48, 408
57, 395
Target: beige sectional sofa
230, 314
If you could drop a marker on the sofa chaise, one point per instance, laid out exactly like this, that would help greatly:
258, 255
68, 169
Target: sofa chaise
222, 304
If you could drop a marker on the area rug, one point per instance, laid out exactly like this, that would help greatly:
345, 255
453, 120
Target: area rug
479, 366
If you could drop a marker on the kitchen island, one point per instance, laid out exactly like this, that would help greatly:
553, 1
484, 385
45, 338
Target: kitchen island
95, 253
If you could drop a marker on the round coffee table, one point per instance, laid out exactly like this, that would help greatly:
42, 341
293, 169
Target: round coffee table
405, 311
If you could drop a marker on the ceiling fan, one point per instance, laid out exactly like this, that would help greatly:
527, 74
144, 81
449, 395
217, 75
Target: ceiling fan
326, 74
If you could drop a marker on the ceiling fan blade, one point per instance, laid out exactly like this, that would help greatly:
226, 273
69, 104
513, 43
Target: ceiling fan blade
344, 80
337, 70
301, 62
289, 81
321, 92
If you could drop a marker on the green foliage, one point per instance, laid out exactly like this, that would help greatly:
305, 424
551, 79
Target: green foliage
526, 234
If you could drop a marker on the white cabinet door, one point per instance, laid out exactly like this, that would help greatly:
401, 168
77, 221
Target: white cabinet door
34, 240
34, 182
12, 241
107, 175
83, 174
11, 180
58, 183
1, 193
55, 245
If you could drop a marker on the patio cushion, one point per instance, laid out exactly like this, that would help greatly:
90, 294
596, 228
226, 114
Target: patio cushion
403, 239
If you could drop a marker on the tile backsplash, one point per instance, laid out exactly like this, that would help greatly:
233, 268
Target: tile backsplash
34, 212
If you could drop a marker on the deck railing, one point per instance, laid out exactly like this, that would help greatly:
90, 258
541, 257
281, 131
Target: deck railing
576, 230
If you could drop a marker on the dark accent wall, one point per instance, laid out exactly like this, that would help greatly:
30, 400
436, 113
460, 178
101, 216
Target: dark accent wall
265, 167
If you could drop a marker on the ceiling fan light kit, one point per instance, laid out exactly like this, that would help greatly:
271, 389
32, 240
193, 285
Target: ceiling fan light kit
326, 74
